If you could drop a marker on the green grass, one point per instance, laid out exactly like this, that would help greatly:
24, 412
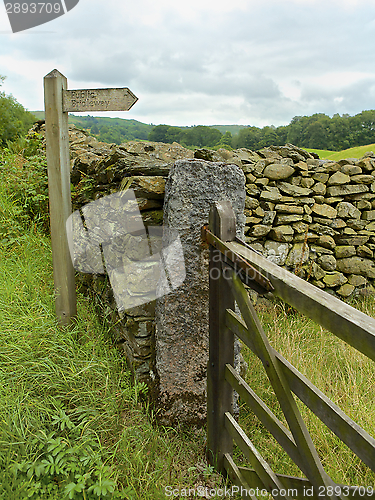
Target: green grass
356, 152
72, 424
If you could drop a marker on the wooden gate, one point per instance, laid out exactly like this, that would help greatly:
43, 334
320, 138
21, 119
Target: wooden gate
233, 263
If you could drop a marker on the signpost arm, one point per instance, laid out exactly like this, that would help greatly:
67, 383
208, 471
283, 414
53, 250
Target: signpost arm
58, 160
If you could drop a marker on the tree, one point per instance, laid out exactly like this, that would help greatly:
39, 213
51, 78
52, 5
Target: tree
249, 138
201, 136
159, 133
364, 127
269, 137
15, 121
226, 140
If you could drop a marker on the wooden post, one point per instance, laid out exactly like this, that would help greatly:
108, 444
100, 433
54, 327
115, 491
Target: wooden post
57, 136
221, 348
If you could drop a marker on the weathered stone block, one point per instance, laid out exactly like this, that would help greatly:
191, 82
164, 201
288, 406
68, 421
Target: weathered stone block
270, 194
278, 171
322, 228
351, 169
298, 255
182, 315
338, 178
292, 190
368, 215
346, 210
269, 217
289, 209
319, 189
151, 187
251, 221
326, 241
364, 251
345, 290
334, 279
301, 165
343, 251
276, 252
263, 181
357, 265
347, 189
337, 224
282, 233
252, 189
353, 240
259, 212
362, 179
324, 211
320, 177
356, 224
251, 203
300, 227
317, 272
288, 218
364, 205
307, 182
357, 280
259, 230
327, 262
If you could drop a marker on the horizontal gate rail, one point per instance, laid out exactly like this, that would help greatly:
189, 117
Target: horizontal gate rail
356, 438
354, 327
234, 264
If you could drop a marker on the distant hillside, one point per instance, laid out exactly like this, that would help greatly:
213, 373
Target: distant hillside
233, 129
111, 130
318, 131
120, 130
356, 152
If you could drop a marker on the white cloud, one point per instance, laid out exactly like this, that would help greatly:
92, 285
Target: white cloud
245, 61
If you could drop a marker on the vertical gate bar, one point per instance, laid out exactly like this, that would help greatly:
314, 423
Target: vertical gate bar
221, 341
60, 206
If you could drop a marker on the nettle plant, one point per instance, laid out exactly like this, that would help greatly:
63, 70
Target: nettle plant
68, 462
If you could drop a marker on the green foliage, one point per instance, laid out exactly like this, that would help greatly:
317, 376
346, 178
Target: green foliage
318, 131
198, 136
73, 425
15, 121
112, 130
201, 136
24, 168
67, 461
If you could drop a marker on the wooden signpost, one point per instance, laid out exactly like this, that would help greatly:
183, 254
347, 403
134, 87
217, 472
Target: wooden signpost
58, 102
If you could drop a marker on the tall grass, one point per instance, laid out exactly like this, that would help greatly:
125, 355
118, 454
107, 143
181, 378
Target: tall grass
72, 424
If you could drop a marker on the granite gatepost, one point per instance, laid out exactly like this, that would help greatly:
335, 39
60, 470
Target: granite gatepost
182, 328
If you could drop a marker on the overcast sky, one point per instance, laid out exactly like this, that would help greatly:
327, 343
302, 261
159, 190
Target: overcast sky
250, 62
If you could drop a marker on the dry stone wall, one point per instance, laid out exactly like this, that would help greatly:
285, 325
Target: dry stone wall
314, 217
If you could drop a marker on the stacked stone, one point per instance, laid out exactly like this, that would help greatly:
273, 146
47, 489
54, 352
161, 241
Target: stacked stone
100, 169
314, 217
